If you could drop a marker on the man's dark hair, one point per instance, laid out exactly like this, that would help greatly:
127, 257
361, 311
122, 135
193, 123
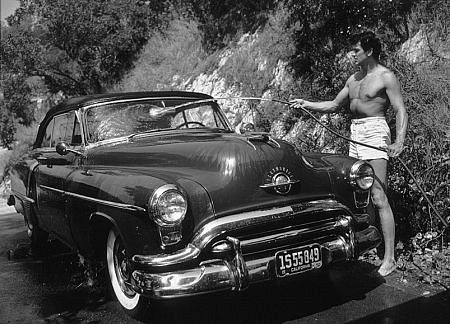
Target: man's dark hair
369, 40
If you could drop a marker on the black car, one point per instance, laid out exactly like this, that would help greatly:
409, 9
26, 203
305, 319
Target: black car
159, 186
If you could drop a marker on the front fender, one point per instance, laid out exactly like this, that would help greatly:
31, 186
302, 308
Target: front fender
342, 187
121, 199
21, 180
138, 234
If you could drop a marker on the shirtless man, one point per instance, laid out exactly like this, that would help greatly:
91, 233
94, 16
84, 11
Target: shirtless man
370, 91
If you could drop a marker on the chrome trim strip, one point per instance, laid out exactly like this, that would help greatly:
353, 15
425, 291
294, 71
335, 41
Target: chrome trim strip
96, 200
22, 196
229, 223
52, 189
364, 203
271, 139
262, 136
188, 253
331, 225
247, 140
106, 102
272, 185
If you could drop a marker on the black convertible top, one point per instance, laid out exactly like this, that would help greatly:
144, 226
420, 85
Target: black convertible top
77, 102
82, 101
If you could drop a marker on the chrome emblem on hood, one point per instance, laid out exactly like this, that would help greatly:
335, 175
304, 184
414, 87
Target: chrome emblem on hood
280, 179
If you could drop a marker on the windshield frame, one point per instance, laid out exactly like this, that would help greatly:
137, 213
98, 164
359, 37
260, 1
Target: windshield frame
186, 103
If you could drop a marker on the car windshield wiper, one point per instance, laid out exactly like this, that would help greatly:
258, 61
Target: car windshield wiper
131, 136
222, 130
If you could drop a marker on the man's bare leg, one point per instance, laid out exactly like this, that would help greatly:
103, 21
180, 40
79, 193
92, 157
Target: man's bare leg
381, 203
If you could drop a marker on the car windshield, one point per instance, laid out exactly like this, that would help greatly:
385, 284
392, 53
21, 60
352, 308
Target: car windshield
129, 118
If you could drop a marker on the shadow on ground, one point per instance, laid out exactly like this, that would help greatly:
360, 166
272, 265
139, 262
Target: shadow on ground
279, 302
65, 296
58, 282
419, 310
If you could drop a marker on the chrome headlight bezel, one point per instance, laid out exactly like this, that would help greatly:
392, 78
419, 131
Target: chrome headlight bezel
362, 175
156, 208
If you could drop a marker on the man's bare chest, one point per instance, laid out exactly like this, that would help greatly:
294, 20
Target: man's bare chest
367, 88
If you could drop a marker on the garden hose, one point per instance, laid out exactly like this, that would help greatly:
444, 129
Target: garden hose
441, 218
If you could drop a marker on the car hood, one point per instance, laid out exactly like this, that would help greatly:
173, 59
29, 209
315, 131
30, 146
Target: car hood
231, 167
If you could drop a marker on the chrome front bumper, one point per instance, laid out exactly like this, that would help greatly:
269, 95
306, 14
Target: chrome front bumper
234, 270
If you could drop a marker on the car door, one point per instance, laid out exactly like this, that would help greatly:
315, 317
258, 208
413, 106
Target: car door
53, 170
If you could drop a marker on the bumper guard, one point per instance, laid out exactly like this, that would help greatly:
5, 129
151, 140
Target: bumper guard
235, 272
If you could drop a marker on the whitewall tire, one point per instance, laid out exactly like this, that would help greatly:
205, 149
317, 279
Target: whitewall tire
119, 276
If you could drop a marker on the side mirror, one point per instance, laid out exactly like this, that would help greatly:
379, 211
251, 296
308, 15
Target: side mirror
62, 148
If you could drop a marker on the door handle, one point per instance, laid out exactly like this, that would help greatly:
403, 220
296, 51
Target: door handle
44, 160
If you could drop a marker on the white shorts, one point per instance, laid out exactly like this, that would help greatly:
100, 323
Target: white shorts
373, 131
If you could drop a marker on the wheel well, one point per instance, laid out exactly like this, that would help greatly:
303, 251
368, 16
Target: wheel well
99, 230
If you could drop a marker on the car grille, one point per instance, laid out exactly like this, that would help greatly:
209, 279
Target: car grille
302, 226
288, 236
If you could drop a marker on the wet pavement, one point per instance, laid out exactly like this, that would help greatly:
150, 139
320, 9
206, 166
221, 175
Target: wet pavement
54, 289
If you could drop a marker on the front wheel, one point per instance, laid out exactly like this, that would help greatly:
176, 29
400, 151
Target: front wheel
119, 272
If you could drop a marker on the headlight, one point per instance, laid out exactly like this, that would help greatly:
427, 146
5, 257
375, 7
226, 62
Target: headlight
361, 175
168, 205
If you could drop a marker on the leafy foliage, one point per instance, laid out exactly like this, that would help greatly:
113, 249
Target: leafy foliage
221, 21
15, 108
77, 47
427, 151
85, 45
324, 29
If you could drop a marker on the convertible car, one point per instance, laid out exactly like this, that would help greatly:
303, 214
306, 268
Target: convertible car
158, 187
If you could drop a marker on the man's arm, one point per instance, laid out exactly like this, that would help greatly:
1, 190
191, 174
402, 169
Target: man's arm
401, 116
324, 106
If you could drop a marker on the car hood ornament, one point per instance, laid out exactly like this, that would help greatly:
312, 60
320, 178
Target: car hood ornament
279, 179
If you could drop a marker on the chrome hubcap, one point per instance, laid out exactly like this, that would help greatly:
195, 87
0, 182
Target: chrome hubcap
121, 265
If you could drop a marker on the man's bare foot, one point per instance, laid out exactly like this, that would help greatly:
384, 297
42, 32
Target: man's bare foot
387, 268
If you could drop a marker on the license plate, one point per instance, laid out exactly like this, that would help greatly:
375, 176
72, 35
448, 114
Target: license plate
297, 260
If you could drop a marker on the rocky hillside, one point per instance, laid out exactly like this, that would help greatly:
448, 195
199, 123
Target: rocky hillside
255, 66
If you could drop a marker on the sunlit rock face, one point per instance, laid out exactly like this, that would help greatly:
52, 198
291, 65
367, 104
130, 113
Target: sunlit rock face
424, 46
415, 50
241, 112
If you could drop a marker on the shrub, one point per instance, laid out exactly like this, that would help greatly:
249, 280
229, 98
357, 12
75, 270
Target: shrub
427, 149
